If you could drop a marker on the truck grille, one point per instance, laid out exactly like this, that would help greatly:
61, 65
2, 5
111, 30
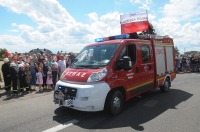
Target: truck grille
70, 93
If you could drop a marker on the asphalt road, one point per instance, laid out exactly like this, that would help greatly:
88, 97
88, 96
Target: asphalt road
175, 111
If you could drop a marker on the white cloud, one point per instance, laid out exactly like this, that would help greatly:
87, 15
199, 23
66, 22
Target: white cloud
22, 27
93, 16
14, 31
105, 25
143, 4
57, 30
182, 9
179, 22
54, 24
41, 11
14, 43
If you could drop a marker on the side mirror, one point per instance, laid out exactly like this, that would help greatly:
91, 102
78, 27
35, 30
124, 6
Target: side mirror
127, 64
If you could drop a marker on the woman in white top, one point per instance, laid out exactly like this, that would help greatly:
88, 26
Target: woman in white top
61, 65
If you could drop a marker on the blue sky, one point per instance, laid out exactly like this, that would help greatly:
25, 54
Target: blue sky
69, 25
7, 17
81, 8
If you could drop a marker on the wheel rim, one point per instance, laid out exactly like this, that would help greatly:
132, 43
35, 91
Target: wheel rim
116, 103
166, 84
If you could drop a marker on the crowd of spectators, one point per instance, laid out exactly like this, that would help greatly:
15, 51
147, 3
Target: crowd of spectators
188, 63
26, 72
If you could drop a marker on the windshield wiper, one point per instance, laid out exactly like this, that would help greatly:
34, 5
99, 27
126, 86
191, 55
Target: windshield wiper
95, 67
77, 66
85, 66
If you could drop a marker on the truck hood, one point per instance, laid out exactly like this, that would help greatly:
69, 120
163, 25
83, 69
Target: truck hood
77, 75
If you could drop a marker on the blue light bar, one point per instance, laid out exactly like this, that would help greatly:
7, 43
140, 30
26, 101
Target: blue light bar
122, 36
99, 40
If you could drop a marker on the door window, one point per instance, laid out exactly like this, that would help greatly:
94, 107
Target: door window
130, 51
145, 53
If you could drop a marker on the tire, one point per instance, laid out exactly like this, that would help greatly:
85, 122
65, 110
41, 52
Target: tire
166, 85
114, 102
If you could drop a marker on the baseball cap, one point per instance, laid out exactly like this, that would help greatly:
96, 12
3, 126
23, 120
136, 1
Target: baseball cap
6, 60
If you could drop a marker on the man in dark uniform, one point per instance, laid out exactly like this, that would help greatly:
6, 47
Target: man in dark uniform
14, 77
21, 76
6, 74
45, 70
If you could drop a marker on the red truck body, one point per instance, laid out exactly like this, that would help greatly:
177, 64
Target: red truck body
105, 83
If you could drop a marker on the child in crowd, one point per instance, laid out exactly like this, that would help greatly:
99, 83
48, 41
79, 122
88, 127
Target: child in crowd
49, 78
39, 81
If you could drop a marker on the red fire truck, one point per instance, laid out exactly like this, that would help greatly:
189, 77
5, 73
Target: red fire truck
115, 69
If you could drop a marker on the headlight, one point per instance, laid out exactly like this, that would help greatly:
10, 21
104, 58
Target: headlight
97, 76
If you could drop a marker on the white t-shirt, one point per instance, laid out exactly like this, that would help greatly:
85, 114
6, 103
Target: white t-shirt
55, 65
39, 75
62, 65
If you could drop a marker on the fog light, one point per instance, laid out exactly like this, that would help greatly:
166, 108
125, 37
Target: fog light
84, 98
90, 107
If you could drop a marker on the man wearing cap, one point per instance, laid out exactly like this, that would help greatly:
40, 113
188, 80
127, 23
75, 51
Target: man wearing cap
6, 74
21, 60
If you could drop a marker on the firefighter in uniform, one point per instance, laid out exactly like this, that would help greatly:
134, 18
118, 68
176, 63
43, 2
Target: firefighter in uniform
21, 76
6, 74
14, 78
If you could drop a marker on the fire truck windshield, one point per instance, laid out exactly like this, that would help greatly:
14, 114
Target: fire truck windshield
95, 56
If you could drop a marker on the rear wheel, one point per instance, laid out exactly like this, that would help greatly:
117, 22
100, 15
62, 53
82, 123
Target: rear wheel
165, 86
115, 102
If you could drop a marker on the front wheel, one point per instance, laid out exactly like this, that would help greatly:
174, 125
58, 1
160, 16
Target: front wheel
115, 102
165, 86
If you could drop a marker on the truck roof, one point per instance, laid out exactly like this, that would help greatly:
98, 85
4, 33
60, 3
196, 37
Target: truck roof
117, 41
133, 37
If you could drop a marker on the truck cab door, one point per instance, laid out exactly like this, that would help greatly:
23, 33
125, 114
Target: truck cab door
127, 78
146, 67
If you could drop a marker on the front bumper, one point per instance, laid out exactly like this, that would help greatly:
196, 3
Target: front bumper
89, 97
